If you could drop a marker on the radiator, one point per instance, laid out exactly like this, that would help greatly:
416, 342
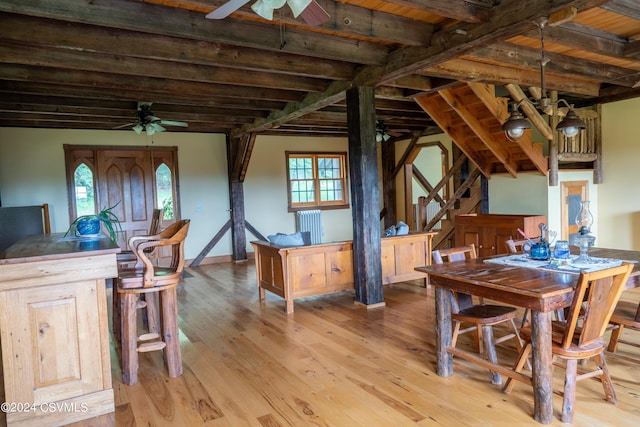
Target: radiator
430, 211
310, 221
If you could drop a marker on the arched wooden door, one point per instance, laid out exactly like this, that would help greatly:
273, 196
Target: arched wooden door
125, 176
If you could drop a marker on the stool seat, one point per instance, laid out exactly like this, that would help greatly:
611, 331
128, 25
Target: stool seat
158, 286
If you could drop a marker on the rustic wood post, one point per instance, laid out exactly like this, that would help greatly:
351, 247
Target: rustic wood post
388, 181
542, 366
236, 195
365, 195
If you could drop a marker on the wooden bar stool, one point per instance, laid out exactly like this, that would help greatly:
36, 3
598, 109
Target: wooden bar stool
151, 281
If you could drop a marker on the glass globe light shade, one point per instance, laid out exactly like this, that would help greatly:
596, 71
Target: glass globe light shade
570, 131
515, 132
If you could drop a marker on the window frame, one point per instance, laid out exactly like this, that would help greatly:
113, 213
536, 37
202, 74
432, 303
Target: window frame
317, 203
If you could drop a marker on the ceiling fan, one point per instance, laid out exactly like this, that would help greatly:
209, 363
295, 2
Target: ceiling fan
310, 10
383, 133
145, 121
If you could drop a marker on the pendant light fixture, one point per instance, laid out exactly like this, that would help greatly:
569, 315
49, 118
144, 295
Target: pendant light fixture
515, 125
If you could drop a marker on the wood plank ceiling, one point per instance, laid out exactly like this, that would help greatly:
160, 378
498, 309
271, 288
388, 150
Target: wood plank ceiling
84, 64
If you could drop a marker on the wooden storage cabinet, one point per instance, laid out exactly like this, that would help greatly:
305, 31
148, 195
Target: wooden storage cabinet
304, 271
489, 232
54, 332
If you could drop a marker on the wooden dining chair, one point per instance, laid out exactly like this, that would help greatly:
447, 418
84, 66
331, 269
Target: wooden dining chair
481, 317
625, 317
150, 280
515, 246
581, 336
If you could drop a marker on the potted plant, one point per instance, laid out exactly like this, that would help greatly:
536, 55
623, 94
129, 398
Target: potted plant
90, 225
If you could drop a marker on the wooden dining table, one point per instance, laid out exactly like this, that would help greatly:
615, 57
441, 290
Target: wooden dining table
541, 291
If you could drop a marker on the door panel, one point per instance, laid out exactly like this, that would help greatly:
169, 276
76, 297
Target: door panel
573, 192
125, 177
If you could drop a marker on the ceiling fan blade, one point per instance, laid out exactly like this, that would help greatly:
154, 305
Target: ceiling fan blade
227, 9
314, 14
173, 123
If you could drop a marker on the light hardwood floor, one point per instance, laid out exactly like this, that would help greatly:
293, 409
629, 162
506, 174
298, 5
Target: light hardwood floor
331, 363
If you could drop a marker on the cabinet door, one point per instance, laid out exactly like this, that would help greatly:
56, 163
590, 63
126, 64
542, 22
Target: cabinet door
500, 236
54, 346
470, 235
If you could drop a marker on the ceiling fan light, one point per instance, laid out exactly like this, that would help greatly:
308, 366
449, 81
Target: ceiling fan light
274, 4
150, 130
297, 6
378, 137
571, 124
263, 10
138, 129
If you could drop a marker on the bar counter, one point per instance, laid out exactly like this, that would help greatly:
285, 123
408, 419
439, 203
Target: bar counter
54, 329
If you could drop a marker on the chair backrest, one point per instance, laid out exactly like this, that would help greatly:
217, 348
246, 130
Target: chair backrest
156, 219
515, 246
174, 237
459, 301
454, 254
594, 301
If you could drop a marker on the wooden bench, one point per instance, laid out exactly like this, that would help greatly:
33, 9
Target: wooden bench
303, 271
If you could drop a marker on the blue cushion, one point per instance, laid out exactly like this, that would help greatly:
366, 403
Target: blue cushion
294, 239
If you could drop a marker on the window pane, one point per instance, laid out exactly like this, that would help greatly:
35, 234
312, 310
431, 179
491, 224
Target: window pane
83, 181
164, 190
316, 179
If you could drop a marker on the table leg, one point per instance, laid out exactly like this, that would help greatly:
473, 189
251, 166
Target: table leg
443, 332
542, 358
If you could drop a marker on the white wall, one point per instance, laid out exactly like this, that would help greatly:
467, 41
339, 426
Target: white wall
618, 215
265, 188
32, 172
526, 194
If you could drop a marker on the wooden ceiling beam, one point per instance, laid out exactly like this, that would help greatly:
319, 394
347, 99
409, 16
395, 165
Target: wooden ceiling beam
467, 70
63, 59
466, 11
81, 39
346, 19
520, 56
43, 93
82, 80
125, 14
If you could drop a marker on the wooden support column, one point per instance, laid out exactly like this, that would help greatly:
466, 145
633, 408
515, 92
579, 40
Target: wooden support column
388, 181
236, 201
365, 196
553, 143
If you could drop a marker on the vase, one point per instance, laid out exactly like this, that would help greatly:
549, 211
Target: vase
88, 227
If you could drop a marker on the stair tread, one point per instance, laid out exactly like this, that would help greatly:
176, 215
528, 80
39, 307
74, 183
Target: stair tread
151, 346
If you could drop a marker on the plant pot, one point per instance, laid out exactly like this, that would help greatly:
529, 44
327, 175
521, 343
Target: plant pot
88, 227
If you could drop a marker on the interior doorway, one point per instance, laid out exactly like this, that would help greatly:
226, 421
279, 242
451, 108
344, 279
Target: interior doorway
136, 179
572, 193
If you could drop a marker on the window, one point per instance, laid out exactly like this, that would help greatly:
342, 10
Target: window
164, 190
316, 180
84, 196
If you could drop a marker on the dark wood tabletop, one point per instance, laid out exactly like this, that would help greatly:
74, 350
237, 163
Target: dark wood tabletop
40, 247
